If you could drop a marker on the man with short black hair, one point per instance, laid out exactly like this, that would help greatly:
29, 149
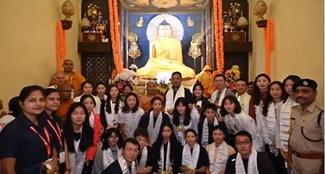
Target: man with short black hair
176, 91
144, 159
247, 160
306, 142
241, 94
221, 91
126, 163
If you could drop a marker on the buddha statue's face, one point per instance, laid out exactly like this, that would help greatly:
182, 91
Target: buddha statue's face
164, 31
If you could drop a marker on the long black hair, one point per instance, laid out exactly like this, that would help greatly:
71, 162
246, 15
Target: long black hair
176, 114
257, 93
293, 78
109, 97
160, 139
201, 87
152, 101
126, 107
86, 139
107, 133
100, 83
269, 98
231, 99
83, 84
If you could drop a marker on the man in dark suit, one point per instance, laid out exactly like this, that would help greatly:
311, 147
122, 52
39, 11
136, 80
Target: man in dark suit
248, 160
126, 163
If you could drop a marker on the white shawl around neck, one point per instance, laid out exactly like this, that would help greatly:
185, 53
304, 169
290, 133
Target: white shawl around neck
205, 131
218, 164
190, 159
252, 164
170, 99
153, 129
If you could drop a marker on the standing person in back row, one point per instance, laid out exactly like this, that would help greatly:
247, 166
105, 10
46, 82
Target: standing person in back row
242, 96
221, 91
306, 142
176, 91
74, 78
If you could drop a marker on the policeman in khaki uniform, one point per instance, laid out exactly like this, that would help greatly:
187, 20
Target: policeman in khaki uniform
306, 143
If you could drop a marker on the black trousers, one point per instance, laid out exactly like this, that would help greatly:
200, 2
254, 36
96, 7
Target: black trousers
277, 161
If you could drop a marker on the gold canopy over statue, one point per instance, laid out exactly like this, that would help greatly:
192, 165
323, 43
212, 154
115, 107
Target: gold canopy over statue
165, 55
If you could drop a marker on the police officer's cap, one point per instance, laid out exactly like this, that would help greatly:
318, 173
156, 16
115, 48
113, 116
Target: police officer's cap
306, 83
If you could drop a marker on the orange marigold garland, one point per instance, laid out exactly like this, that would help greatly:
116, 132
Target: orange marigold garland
269, 44
115, 34
218, 33
60, 46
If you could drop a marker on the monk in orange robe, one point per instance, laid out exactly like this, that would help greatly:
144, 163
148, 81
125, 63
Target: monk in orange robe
144, 101
74, 78
66, 101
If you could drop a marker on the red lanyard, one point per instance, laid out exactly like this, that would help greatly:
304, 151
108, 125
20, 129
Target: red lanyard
57, 132
46, 143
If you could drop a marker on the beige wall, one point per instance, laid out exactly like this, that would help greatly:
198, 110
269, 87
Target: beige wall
299, 41
27, 43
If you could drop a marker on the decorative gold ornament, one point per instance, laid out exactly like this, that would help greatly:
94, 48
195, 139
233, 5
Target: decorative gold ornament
140, 22
189, 21
164, 3
260, 9
85, 23
92, 10
242, 22
195, 50
134, 50
67, 9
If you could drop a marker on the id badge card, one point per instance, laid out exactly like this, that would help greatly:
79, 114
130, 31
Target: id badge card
62, 157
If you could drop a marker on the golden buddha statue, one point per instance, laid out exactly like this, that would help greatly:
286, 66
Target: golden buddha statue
165, 55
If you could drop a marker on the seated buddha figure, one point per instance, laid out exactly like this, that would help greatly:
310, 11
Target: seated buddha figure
165, 55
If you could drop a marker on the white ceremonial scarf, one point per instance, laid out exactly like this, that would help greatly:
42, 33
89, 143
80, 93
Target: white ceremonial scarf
244, 101
124, 166
180, 135
144, 157
205, 131
77, 158
284, 123
108, 157
190, 159
162, 161
199, 103
252, 164
154, 130
218, 164
111, 119
170, 99
214, 96
270, 123
132, 121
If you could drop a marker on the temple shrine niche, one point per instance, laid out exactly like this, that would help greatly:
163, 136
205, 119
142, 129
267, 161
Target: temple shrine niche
189, 46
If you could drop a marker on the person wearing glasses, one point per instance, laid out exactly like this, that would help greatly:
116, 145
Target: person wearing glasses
126, 163
247, 159
108, 150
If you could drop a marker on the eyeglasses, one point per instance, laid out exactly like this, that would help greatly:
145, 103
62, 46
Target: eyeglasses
242, 143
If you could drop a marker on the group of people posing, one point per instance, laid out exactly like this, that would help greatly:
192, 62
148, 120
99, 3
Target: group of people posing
279, 126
